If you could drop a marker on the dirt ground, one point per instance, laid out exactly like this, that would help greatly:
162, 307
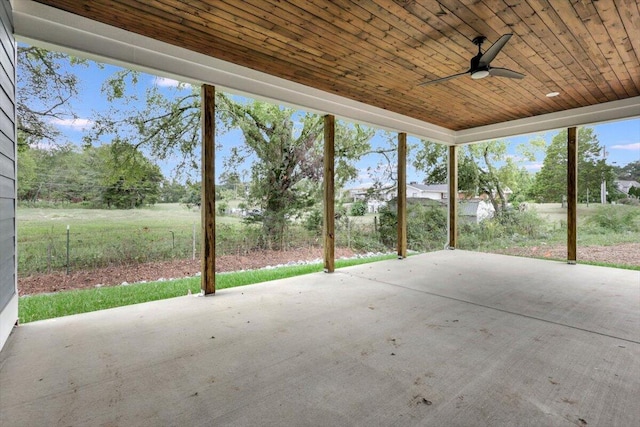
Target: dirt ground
628, 254
622, 254
116, 275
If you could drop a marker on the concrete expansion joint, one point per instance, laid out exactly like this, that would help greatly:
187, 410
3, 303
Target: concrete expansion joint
382, 282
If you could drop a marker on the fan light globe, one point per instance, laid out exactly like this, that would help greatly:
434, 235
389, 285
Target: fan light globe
480, 74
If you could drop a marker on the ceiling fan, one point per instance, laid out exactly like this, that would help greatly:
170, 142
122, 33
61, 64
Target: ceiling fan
481, 63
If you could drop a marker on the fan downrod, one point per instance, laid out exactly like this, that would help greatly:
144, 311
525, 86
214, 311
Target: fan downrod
479, 40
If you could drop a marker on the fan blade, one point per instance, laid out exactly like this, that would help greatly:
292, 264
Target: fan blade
495, 48
503, 72
444, 79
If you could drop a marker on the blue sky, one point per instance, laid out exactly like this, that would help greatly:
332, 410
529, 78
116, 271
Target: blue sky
621, 138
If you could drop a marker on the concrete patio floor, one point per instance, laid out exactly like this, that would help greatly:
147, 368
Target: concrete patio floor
450, 338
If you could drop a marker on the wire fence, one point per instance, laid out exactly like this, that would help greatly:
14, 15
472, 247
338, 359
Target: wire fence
87, 247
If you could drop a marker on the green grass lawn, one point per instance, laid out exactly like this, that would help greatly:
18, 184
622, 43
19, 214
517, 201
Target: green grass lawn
99, 237
47, 306
102, 237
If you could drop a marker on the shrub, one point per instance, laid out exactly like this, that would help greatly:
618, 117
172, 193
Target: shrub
629, 201
313, 221
616, 219
512, 226
358, 208
222, 207
426, 227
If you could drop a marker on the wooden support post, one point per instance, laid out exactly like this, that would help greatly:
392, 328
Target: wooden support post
208, 209
453, 196
402, 195
329, 194
572, 196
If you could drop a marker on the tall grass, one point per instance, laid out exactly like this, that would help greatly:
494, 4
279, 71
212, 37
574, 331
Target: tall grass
99, 238
163, 232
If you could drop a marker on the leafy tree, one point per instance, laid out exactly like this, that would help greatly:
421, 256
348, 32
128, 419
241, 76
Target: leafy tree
61, 174
288, 161
168, 125
231, 182
629, 172
43, 93
193, 196
551, 182
171, 191
27, 175
128, 179
114, 175
483, 168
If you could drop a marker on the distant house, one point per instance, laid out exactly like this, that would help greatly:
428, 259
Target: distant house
475, 210
625, 186
427, 191
374, 199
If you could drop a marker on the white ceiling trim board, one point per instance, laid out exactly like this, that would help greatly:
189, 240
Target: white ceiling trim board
605, 112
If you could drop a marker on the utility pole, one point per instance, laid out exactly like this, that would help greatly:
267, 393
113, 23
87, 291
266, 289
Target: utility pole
603, 185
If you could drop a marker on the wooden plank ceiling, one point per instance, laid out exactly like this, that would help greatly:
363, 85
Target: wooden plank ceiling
378, 51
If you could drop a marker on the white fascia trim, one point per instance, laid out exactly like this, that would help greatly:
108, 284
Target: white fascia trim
605, 112
48, 27
8, 319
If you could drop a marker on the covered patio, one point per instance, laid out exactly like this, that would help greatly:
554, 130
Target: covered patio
448, 338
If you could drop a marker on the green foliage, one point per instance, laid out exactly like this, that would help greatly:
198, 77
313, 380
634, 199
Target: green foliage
431, 158
60, 174
27, 174
288, 168
313, 221
512, 227
614, 219
551, 182
44, 88
222, 207
358, 208
193, 195
426, 227
483, 168
629, 201
629, 172
114, 175
172, 191
167, 126
129, 179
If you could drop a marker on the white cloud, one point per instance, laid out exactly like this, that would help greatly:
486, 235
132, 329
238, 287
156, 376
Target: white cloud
45, 146
75, 124
634, 146
533, 167
166, 82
